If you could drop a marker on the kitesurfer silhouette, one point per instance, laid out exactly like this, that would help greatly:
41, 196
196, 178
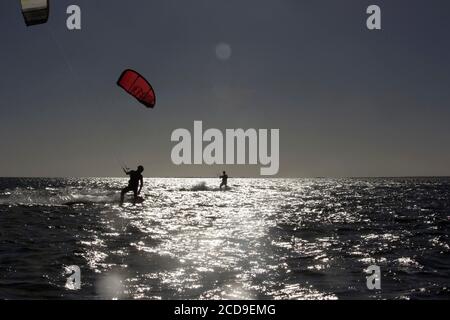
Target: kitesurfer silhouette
224, 178
135, 184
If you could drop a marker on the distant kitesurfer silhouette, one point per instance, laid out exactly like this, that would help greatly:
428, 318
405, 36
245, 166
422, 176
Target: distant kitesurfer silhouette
224, 178
135, 184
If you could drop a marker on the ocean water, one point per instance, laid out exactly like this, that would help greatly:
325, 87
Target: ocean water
262, 239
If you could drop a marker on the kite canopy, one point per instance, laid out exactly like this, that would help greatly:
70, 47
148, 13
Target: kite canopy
136, 85
35, 11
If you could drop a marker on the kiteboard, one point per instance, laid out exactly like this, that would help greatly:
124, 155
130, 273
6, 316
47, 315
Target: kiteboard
139, 200
133, 201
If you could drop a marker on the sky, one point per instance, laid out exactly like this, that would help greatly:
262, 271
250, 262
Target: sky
348, 101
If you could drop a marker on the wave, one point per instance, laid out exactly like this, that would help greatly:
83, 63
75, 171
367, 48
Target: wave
201, 186
55, 196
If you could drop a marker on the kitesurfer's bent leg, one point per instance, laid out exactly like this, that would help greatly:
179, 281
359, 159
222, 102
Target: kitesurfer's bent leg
124, 191
135, 192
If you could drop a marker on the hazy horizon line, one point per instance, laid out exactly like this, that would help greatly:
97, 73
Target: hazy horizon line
230, 177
